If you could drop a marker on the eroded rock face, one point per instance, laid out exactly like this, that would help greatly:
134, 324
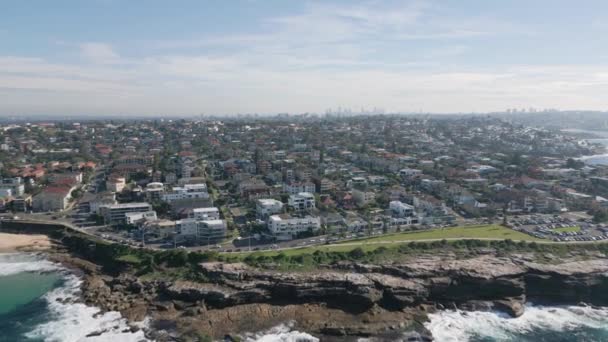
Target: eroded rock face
484, 282
349, 298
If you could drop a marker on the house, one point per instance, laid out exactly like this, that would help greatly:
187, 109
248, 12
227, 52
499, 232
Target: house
253, 189
400, 209
76, 177
363, 197
116, 183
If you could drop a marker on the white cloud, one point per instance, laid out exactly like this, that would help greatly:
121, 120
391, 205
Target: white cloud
99, 53
325, 56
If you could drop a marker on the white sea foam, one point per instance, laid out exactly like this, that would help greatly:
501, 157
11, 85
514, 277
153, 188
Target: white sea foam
14, 263
280, 333
459, 326
71, 322
68, 320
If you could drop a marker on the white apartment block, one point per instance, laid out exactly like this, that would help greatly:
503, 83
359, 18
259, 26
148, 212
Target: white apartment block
116, 213
15, 185
297, 187
286, 227
265, 207
205, 213
116, 184
302, 201
400, 209
188, 191
137, 217
204, 231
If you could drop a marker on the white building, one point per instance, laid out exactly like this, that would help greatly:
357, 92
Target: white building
409, 173
137, 217
116, 213
116, 184
205, 213
52, 198
302, 201
188, 191
400, 209
104, 199
297, 187
363, 197
154, 191
265, 207
201, 231
15, 185
286, 227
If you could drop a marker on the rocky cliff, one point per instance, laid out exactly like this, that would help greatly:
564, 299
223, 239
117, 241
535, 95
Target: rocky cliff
350, 298
478, 283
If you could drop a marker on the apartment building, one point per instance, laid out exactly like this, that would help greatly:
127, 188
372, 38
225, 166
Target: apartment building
287, 227
265, 207
302, 201
116, 213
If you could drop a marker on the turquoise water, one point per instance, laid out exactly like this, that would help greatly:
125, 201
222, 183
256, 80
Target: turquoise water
20, 289
39, 301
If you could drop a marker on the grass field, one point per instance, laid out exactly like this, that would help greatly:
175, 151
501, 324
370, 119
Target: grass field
494, 231
568, 229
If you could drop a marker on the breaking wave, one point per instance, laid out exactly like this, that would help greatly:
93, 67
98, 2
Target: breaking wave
280, 333
538, 323
14, 263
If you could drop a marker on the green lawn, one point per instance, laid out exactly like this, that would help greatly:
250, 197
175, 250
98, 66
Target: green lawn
495, 231
568, 229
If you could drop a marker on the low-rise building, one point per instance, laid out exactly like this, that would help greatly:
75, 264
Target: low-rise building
400, 209
211, 213
302, 201
102, 199
154, 191
52, 198
286, 227
265, 207
293, 188
14, 184
200, 231
116, 183
116, 213
186, 192
136, 218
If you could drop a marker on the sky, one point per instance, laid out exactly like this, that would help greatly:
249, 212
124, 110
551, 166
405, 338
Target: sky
116, 57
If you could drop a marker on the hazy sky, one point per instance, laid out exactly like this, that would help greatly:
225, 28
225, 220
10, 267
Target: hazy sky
191, 57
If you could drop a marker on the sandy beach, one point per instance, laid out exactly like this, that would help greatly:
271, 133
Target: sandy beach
19, 242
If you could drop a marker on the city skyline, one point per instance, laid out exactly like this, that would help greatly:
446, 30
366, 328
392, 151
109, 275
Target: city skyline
107, 57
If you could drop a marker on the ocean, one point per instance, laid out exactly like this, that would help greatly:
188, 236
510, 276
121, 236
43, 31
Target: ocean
39, 302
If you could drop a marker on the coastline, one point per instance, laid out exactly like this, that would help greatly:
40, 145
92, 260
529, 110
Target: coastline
342, 301
24, 243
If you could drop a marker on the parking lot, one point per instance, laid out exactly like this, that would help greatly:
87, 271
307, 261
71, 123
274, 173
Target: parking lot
567, 227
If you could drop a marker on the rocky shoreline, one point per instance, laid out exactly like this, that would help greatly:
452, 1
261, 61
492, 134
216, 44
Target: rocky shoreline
341, 301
